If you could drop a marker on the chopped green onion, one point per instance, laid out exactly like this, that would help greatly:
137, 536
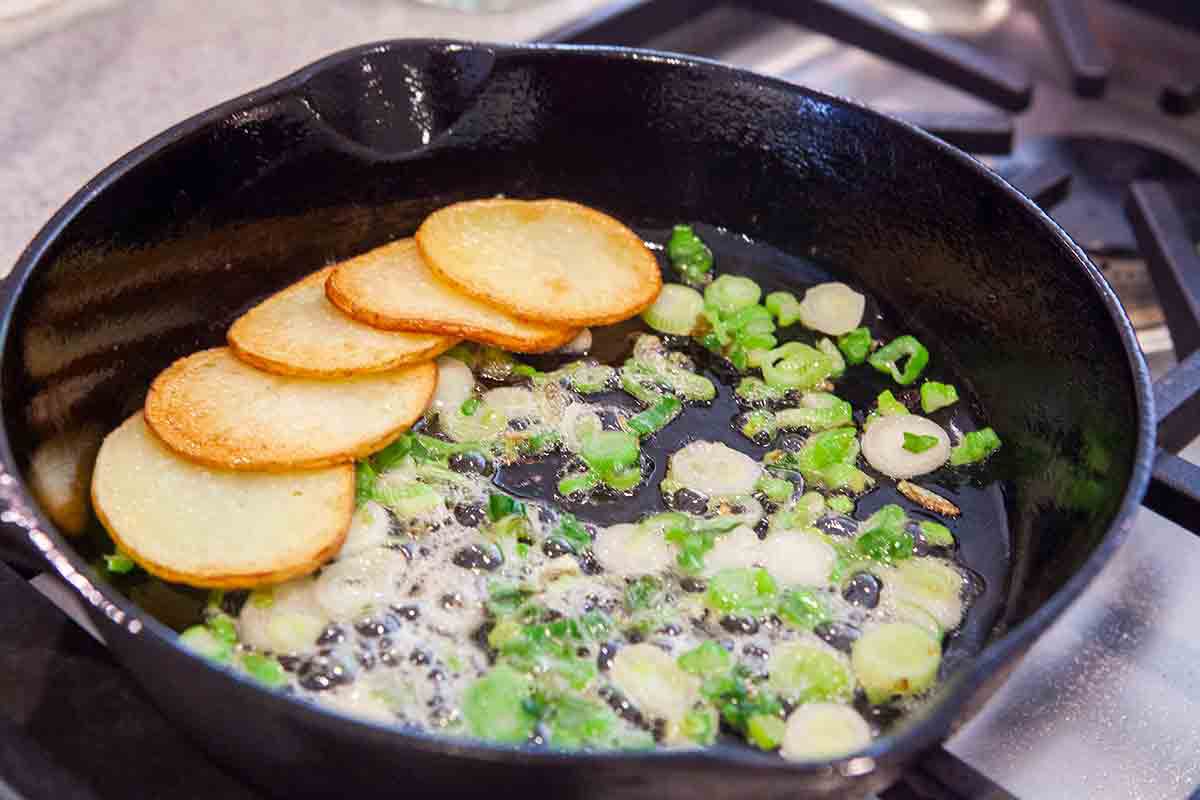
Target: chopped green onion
855, 345
830, 349
936, 395
750, 320
591, 378
525, 371
730, 293
837, 414
975, 446
494, 706
694, 538
578, 482
264, 669
888, 405
650, 371
656, 417
903, 348
936, 534
574, 533
916, 443
223, 627
407, 500
885, 545
805, 673
777, 490
675, 311
392, 455
800, 514
470, 406
364, 482
700, 725
794, 366
201, 640
706, 660
689, 253
119, 563
610, 454
784, 307
742, 591
765, 732
802, 609
755, 390
539, 443
841, 504
889, 516
758, 423
826, 459
642, 593
738, 699
501, 505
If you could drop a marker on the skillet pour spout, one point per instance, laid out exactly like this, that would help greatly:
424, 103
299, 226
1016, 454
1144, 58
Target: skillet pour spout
156, 256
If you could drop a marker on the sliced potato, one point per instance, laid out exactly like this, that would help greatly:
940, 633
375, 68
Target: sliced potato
218, 411
60, 473
392, 288
190, 524
553, 261
299, 332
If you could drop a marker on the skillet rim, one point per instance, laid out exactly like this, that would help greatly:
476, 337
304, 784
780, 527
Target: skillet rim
953, 694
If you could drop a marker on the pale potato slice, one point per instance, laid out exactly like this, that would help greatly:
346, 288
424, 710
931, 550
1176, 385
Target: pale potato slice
392, 288
299, 332
190, 524
553, 261
60, 472
218, 411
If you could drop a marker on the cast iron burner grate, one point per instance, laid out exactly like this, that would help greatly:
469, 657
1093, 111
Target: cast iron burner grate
1156, 224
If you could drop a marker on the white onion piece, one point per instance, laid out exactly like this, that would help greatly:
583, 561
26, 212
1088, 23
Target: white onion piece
579, 345
368, 528
629, 549
288, 619
455, 384
740, 547
578, 422
714, 469
824, 730
654, 683
350, 586
883, 446
514, 402
832, 308
796, 558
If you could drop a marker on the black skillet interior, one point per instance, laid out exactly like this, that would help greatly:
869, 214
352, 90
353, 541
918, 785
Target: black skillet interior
157, 257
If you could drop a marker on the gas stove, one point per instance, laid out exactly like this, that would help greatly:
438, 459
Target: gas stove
1088, 106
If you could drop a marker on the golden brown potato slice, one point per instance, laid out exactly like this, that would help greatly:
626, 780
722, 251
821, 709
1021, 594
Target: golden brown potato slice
60, 472
190, 524
218, 411
299, 332
392, 288
552, 261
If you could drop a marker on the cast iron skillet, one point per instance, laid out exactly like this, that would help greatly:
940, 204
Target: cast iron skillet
154, 257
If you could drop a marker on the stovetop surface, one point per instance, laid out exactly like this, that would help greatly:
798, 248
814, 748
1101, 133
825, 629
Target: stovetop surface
1106, 704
